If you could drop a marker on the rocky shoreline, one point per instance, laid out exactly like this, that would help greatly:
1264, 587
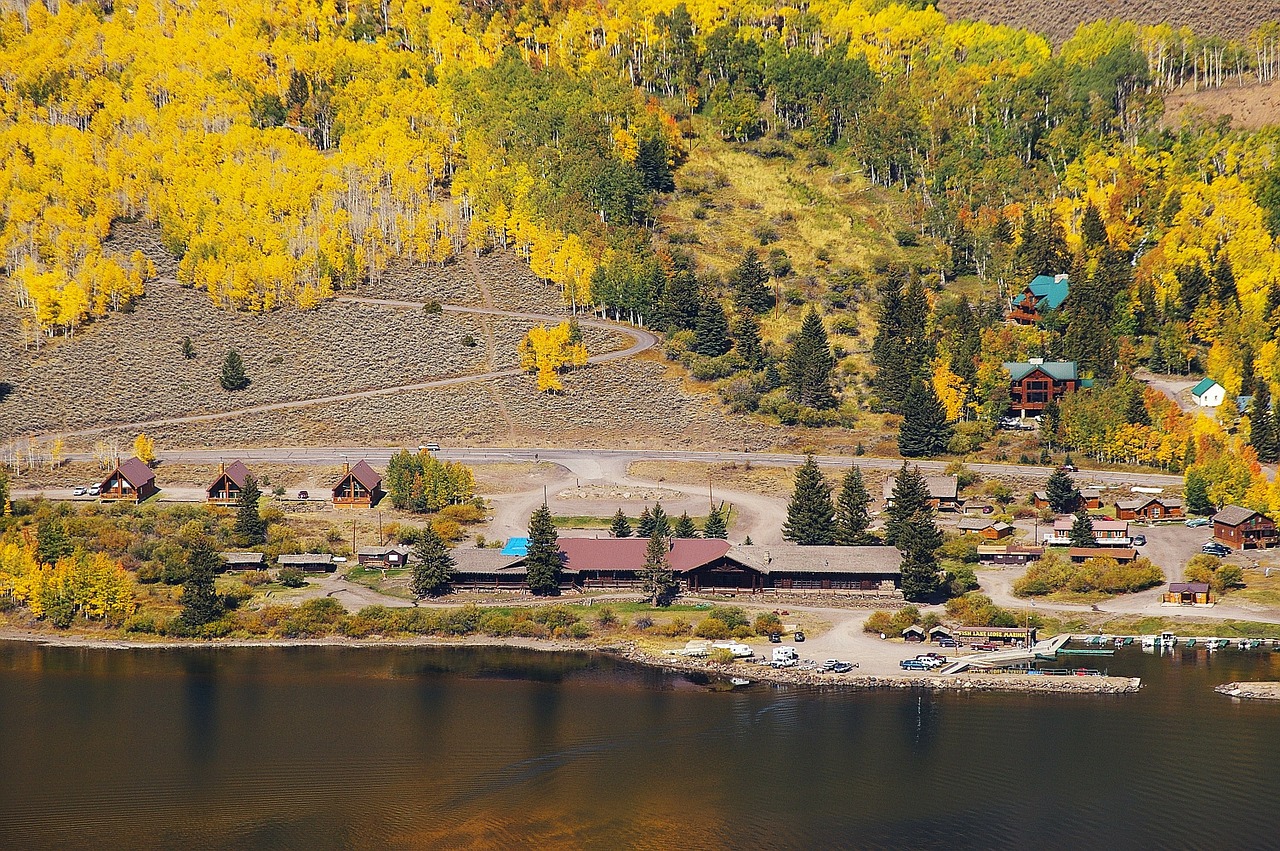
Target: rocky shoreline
970, 682
1251, 691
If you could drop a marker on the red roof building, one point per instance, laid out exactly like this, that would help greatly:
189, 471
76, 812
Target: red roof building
131, 480
226, 488
359, 487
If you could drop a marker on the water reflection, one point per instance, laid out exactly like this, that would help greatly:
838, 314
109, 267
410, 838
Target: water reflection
423, 747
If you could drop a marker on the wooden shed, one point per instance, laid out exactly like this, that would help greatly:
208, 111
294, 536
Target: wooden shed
913, 634
940, 633
1188, 594
359, 487
131, 480
310, 562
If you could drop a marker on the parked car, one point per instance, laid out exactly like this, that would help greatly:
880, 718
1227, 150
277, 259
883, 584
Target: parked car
303, 495
1193, 522
1214, 549
775, 638
947, 642
1139, 540
1069, 468
799, 635
95, 490
913, 665
984, 645
80, 491
843, 668
429, 447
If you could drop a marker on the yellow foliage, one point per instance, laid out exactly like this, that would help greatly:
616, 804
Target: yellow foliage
549, 351
144, 449
93, 586
950, 389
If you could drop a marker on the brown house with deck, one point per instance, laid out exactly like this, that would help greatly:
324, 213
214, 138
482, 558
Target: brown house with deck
1149, 508
1037, 382
1243, 528
131, 480
989, 530
359, 487
225, 489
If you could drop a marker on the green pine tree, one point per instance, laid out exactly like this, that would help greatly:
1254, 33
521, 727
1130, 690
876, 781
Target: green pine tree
233, 374
1081, 534
433, 566
1196, 490
717, 525
924, 429
809, 366
684, 527
52, 541
750, 284
1262, 433
621, 526
250, 528
656, 577
644, 525
746, 335
201, 604
910, 497
711, 334
544, 560
853, 516
919, 543
1062, 493
661, 522
810, 514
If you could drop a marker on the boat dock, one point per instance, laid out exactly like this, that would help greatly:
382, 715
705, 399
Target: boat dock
1005, 658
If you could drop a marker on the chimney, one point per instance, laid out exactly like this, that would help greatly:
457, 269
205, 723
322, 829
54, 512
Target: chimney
346, 468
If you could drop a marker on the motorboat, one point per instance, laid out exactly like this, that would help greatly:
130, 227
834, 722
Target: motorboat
1168, 641
1149, 642
738, 681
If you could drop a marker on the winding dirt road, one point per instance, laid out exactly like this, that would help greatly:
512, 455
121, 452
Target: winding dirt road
641, 341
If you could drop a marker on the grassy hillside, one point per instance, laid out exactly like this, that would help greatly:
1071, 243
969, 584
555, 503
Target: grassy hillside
1234, 18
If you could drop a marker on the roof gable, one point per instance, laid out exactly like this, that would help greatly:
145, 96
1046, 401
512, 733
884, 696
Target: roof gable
940, 487
1050, 291
365, 475
135, 472
1234, 515
1205, 385
1057, 370
236, 472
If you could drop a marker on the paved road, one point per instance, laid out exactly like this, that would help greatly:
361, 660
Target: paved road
586, 458
641, 340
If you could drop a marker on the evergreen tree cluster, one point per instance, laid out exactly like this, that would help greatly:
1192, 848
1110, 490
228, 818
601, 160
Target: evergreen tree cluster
901, 350
250, 528
1264, 426
925, 429
810, 365
911, 527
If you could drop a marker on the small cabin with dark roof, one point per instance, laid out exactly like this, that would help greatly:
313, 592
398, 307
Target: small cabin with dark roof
913, 634
359, 487
242, 561
131, 480
310, 562
386, 556
944, 492
226, 488
990, 530
1188, 594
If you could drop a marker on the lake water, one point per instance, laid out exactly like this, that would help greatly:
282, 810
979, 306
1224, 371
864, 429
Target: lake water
318, 748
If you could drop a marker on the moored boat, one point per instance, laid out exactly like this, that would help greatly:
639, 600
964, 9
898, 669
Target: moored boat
739, 681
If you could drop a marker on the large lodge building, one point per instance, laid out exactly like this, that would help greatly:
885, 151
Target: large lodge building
699, 564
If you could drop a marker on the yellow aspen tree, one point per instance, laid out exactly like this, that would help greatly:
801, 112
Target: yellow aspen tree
144, 449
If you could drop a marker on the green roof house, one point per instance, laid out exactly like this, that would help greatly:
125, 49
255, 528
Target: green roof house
1208, 393
1044, 293
1037, 382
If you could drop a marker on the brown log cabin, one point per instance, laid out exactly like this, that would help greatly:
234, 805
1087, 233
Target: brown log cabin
1244, 529
359, 487
226, 488
1036, 383
131, 480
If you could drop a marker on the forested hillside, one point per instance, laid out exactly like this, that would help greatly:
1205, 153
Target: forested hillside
827, 207
1232, 18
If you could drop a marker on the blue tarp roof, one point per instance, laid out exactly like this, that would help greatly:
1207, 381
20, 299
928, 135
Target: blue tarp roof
1049, 288
516, 547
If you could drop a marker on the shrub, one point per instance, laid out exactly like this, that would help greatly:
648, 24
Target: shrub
974, 609
495, 622
712, 628
906, 237
674, 627
466, 512
962, 580
531, 629
463, 621
149, 572
313, 618
642, 622
720, 656
730, 616
254, 578
432, 306
963, 548
767, 622
141, 623
1055, 573
292, 577
741, 632
607, 617
879, 622
578, 630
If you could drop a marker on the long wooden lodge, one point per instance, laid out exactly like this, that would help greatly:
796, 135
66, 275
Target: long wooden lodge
706, 565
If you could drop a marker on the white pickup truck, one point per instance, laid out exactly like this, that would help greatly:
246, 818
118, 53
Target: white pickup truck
784, 657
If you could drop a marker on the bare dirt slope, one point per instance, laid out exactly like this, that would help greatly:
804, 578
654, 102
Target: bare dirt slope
1249, 107
1235, 18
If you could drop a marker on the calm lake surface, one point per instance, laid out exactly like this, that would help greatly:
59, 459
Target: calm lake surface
318, 748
